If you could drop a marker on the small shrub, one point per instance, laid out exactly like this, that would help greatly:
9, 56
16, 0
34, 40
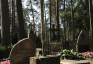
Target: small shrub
5, 51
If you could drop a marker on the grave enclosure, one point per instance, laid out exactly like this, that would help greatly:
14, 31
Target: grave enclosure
25, 50
55, 46
81, 45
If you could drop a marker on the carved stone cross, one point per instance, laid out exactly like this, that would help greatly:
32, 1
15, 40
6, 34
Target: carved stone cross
53, 30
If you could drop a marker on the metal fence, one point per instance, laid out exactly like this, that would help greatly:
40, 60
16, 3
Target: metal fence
54, 47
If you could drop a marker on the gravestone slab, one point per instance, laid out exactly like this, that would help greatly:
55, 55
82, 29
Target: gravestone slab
22, 50
45, 60
83, 41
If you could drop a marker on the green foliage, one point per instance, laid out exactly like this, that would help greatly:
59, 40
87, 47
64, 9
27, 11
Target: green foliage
81, 16
71, 53
5, 51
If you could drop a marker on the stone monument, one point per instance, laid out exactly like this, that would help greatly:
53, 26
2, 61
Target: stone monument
22, 50
31, 35
54, 37
83, 41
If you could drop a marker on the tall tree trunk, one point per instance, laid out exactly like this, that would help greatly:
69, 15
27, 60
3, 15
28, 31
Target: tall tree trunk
45, 25
67, 32
57, 18
67, 22
21, 32
91, 22
42, 28
5, 23
50, 15
13, 18
33, 18
64, 25
45, 28
1, 22
72, 21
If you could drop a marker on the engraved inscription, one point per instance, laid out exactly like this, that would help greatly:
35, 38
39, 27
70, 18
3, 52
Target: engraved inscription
24, 52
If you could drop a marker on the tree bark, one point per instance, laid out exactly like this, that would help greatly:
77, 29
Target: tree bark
72, 21
67, 32
21, 32
42, 28
33, 18
57, 18
64, 25
50, 15
13, 18
67, 22
91, 22
5, 23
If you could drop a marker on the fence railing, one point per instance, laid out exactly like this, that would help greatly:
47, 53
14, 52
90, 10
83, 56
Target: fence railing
54, 47
69, 45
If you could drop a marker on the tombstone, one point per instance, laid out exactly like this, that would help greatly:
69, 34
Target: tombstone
83, 41
22, 50
31, 34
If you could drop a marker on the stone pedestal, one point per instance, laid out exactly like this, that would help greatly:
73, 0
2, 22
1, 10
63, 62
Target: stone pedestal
45, 60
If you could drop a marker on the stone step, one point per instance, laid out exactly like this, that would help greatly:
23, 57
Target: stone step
76, 62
